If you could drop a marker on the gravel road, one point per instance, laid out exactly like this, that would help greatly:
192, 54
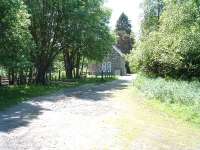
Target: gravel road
68, 120
77, 119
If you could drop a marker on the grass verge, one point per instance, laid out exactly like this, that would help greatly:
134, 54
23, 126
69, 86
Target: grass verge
180, 99
179, 111
13, 95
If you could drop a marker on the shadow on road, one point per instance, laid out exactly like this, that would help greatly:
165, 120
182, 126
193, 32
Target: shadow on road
19, 116
98, 92
22, 114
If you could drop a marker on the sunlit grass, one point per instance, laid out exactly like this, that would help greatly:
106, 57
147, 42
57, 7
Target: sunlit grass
178, 98
179, 111
139, 117
125, 120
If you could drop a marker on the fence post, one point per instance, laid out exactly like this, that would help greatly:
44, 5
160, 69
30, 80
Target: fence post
101, 75
59, 75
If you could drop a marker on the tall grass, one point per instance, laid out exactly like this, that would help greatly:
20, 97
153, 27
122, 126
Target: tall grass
170, 91
183, 97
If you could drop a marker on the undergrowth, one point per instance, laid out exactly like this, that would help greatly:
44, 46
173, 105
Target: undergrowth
177, 97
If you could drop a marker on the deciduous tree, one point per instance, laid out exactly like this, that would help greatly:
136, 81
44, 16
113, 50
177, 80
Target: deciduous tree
15, 39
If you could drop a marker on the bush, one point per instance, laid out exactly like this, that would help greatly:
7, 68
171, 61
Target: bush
174, 48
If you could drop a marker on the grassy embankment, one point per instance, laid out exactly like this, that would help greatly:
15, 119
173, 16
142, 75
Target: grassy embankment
13, 95
178, 98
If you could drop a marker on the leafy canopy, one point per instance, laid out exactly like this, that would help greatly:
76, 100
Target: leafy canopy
172, 49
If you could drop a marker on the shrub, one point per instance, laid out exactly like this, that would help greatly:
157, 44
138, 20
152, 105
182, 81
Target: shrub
174, 48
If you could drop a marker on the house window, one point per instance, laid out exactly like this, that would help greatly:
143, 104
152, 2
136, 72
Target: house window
109, 67
104, 67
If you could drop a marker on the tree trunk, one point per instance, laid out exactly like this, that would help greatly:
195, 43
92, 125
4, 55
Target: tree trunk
9, 76
30, 76
21, 77
41, 75
13, 76
50, 77
78, 59
82, 65
69, 73
59, 75
68, 64
102, 74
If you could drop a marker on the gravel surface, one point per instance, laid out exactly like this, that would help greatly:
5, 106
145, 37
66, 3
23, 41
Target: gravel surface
77, 119
69, 120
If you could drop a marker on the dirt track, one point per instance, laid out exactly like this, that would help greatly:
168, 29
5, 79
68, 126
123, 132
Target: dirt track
86, 118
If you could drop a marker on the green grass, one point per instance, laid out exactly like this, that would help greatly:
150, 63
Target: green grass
186, 113
178, 98
13, 95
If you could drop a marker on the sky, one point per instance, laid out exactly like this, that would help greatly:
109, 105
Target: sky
132, 8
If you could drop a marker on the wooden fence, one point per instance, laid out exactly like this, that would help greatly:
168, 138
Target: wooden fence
4, 81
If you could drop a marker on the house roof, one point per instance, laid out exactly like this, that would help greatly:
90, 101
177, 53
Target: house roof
118, 50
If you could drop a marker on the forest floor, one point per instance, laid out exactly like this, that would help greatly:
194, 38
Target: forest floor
110, 116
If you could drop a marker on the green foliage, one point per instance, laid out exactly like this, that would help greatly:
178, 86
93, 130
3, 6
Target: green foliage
87, 34
46, 29
152, 12
2, 71
182, 96
35, 33
123, 24
58, 64
15, 39
173, 49
126, 38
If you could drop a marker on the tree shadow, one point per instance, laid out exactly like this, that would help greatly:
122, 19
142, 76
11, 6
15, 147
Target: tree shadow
22, 114
98, 92
19, 116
